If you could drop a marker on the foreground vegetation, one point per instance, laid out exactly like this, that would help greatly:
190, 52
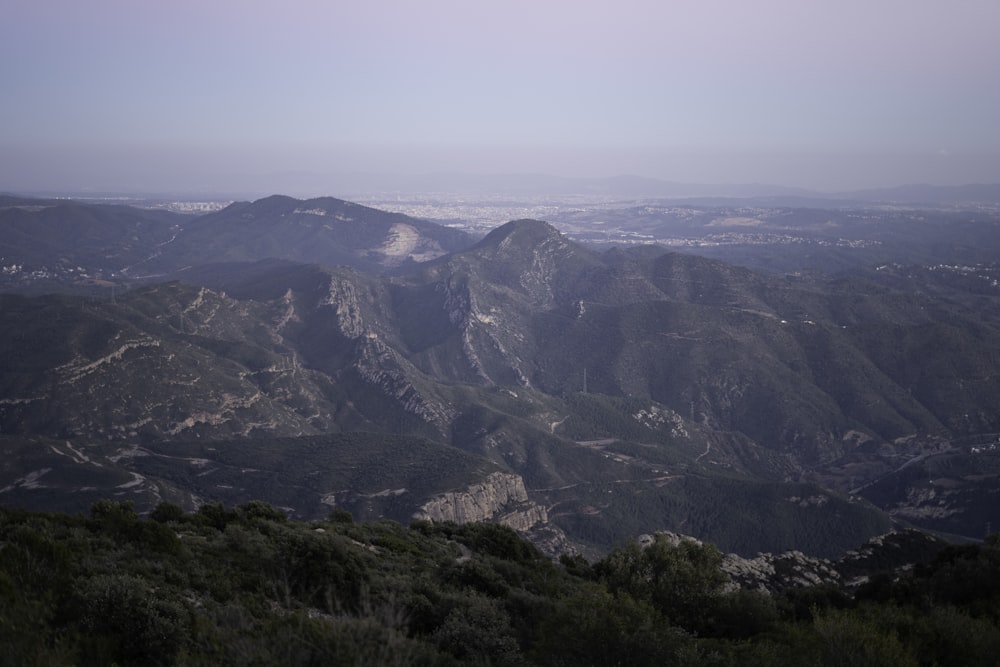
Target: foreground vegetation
247, 586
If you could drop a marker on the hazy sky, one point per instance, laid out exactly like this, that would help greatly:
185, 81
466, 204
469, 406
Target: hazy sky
209, 94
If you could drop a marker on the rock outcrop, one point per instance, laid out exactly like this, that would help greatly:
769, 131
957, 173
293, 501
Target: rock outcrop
773, 573
500, 498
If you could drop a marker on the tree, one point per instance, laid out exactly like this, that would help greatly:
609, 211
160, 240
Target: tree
258, 510
682, 580
125, 621
477, 629
166, 512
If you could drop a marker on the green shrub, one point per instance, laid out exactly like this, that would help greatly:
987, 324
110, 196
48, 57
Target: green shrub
125, 621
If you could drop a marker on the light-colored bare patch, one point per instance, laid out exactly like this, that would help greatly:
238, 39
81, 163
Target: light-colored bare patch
29, 481
401, 241
136, 480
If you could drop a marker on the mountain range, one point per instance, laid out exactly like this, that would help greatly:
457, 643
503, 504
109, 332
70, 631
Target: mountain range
319, 354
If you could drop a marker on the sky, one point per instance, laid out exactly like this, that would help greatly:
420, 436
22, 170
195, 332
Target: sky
204, 95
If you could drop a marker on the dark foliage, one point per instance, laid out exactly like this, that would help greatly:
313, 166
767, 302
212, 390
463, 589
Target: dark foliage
247, 586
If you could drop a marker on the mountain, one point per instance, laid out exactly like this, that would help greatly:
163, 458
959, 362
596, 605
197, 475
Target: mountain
327, 231
584, 396
785, 362
49, 243
64, 245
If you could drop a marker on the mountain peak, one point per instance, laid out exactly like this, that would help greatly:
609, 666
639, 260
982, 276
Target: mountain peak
528, 232
278, 205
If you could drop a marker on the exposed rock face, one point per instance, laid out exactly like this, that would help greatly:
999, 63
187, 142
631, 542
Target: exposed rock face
403, 242
165, 362
382, 367
344, 298
524, 518
498, 498
773, 573
768, 573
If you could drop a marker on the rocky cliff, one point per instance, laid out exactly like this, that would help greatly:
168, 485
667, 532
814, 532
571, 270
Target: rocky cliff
500, 498
772, 573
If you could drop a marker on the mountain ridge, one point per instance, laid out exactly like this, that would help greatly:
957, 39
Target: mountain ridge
68, 245
628, 389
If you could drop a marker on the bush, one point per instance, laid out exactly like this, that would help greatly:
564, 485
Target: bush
166, 512
595, 627
849, 640
478, 630
124, 621
258, 510
214, 515
683, 581
114, 517
340, 515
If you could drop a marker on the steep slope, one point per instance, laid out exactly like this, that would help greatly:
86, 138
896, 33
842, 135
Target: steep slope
631, 392
482, 305
161, 362
794, 365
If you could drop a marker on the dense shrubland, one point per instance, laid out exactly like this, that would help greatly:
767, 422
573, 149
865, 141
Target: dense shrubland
244, 585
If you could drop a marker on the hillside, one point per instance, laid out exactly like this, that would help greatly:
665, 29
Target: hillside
62, 245
59, 244
245, 585
326, 230
628, 391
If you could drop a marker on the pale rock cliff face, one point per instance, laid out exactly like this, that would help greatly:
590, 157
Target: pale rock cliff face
405, 242
287, 312
498, 495
343, 297
767, 573
500, 498
545, 259
378, 363
775, 572
524, 519
548, 249
381, 366
458, 303
483, 332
